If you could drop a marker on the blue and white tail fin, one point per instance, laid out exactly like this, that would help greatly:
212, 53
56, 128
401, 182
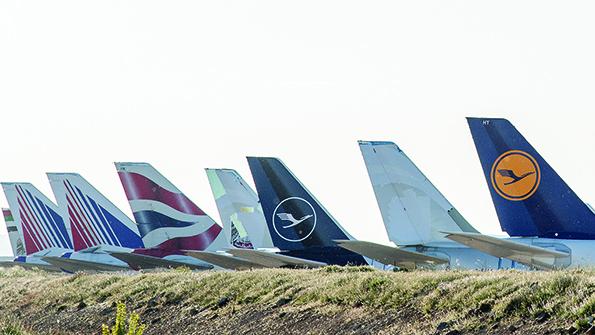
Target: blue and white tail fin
166, 218
37, 219
413, 210
16, 242
94, 220
530, 197
239, 208
295, 218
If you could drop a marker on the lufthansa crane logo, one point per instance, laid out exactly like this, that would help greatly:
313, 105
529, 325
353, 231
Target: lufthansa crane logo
294, 219
515, 175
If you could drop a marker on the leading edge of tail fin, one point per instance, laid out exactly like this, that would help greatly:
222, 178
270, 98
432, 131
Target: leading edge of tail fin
37, 218
94, 220
413, 209
238, 207
295, 218
166, 218
16, 242
529, 196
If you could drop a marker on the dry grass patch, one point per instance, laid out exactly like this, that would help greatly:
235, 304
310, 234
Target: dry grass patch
466, 299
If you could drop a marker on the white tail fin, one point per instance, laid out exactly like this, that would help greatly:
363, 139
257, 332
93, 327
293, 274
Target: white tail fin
238, 207
36, 218
16, 242
413, 210
94, 220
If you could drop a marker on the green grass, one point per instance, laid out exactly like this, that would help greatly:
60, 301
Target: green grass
124, 324
10, 326
444, 295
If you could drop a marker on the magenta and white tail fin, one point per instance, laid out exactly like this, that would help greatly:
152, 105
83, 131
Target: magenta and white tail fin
94, 220
166, 218
16, 242
37, 218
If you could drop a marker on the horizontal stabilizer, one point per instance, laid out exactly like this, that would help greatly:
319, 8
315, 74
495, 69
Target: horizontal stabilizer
144, 262
75, 265
390, 255
274, 260
224, 261
530, 255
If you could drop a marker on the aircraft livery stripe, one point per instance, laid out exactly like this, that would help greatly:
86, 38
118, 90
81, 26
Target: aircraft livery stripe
58, 226
49, 229
80, 241
83, 218
31, 245
35, 226
37, 244
44, 243
106, 223
195, 242
84, 215
84, 225
34, 218
139, 187
93, 217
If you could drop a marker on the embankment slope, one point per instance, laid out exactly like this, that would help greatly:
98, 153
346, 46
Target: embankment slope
329, 300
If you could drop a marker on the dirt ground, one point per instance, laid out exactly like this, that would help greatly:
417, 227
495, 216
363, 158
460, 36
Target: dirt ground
179, 319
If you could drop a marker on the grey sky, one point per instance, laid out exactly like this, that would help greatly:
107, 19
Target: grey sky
186, 85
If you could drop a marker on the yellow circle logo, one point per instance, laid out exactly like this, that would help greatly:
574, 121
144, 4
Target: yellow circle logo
515, 175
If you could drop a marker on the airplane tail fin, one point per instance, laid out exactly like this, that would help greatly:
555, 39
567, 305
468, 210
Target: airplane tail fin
16, 243
239, 208
166, 218
295, 218
94, 220
530, 197
413, 210
37, 218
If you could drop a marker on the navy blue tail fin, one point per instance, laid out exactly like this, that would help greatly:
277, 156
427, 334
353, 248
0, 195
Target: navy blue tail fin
296, 220
529, 196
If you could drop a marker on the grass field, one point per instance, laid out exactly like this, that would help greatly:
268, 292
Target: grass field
293, 301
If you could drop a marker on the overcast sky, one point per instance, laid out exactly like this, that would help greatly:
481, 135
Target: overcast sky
186, 85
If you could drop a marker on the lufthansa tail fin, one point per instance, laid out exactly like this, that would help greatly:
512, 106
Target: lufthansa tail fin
94, 220
530, 197
239, 208
413, 210
295, 218
167, 219
39, 220
16, 243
